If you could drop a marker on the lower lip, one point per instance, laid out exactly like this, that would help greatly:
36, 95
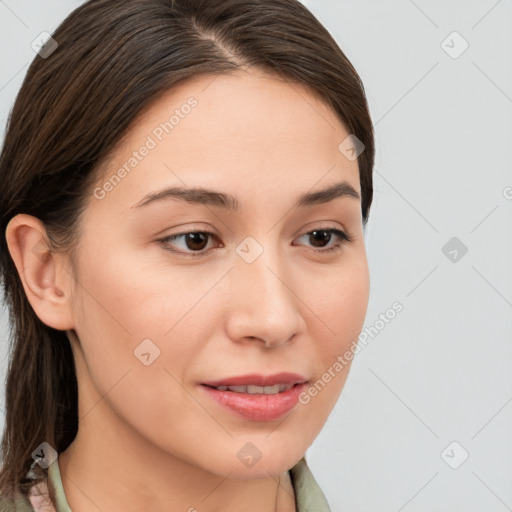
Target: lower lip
258, 407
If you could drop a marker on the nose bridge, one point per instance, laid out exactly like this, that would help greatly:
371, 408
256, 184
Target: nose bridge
264, 305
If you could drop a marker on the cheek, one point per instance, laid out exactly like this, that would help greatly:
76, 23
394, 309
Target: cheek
349, 305
139, 297
339, 302
130, 312
133, 319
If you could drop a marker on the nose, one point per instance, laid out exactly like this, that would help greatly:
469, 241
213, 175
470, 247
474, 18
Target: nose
262, 304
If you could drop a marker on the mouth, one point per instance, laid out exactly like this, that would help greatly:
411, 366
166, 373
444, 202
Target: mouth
260, 401
256, 390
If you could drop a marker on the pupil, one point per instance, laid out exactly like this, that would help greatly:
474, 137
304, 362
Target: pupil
195, 238
324, 238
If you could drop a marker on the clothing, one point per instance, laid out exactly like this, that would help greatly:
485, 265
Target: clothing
308, 495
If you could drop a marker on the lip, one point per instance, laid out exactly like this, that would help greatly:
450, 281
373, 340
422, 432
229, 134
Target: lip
258, 407
259, 380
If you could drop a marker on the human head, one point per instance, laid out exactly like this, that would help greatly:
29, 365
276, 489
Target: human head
115, 60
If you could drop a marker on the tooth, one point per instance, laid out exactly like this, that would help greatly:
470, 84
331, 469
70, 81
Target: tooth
238, 389
254, 389
271, 390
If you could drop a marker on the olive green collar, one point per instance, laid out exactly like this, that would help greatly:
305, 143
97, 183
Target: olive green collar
308, 495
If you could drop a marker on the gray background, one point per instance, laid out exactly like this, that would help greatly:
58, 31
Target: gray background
434, 384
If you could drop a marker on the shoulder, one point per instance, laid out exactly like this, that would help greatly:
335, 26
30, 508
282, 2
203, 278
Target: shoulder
20, 504
36, 501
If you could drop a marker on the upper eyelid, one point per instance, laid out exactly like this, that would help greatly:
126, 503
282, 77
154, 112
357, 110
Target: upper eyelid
302, 233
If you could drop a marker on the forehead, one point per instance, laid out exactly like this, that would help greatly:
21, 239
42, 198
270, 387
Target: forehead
246, 131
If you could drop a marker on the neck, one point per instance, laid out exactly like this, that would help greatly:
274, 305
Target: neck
115, 469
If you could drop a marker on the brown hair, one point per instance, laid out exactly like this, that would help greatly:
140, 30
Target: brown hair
113, 58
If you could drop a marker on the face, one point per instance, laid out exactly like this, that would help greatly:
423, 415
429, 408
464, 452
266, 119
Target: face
191, 287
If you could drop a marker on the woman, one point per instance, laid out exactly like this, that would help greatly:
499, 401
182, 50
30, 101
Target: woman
185, 186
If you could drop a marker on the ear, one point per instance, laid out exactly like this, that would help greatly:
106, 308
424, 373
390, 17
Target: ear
46, 276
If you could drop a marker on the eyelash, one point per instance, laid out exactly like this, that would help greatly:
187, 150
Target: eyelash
343, 238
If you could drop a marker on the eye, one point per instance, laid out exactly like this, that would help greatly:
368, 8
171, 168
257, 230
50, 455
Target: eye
321, 237
194, 243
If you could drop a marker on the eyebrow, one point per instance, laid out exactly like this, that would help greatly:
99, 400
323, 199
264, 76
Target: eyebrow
203, 196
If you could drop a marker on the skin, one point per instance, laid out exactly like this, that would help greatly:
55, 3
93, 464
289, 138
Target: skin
149, 438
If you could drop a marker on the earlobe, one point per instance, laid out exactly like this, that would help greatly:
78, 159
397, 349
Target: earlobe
45, 281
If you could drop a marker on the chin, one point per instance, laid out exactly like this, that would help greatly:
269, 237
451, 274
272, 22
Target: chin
257, 459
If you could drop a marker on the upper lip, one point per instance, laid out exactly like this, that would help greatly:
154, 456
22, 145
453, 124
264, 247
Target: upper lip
259, 380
